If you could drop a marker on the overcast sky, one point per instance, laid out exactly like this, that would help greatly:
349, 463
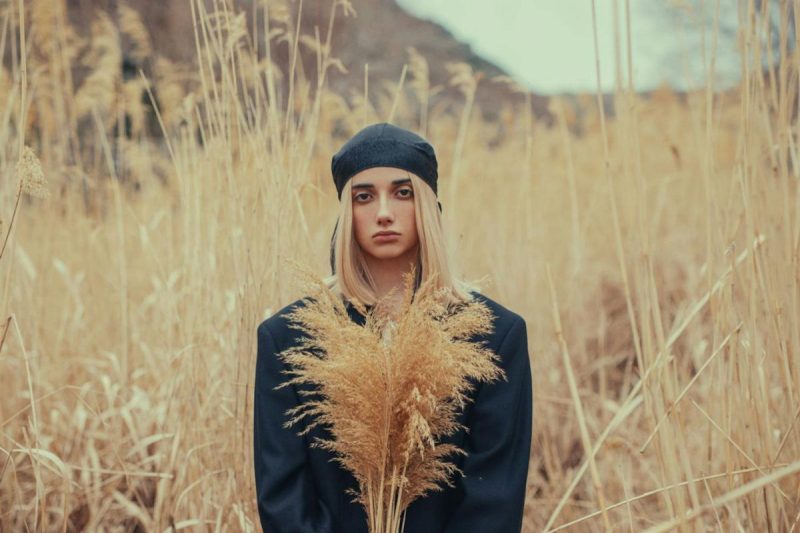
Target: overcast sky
549, 44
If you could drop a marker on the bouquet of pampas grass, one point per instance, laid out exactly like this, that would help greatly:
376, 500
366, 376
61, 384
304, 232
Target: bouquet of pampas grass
390, 389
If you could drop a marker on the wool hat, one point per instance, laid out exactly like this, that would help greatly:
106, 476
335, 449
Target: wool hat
385, 145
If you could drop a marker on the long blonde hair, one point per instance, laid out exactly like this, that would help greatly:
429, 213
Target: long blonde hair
351, 278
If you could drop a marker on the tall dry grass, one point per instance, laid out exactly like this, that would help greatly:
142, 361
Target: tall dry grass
654, 256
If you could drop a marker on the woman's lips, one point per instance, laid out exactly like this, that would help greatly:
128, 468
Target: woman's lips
386, 237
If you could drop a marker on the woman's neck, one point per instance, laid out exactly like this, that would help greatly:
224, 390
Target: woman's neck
388, 273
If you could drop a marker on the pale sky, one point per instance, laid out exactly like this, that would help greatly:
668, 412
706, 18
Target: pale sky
548, 45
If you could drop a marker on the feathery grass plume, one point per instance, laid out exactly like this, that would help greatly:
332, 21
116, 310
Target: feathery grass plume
98, 90
29, 172
131, 24
420, 83
44, 20
418, 69
513, 85
463, 77
279, 11
390, 389
172, 80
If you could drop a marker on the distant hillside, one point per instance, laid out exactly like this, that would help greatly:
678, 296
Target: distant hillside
379, 35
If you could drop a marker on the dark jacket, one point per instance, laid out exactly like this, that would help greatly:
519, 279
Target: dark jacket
300, 489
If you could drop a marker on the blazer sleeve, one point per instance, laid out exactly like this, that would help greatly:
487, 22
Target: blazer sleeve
286, 495
498, 446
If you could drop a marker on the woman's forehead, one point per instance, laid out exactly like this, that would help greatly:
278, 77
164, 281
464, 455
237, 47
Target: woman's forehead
381, 176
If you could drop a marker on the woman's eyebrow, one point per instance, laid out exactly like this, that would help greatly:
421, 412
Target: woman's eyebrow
400, 181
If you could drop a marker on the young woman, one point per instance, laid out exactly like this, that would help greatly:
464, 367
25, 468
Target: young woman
386, 180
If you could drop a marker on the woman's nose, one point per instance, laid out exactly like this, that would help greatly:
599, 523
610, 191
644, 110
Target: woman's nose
384, 210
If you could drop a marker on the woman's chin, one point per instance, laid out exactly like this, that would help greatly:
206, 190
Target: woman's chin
387, 254
387, 251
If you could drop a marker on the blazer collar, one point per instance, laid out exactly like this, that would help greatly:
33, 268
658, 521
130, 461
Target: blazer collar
355, 316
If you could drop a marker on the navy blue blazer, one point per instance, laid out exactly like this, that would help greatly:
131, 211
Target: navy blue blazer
301, 489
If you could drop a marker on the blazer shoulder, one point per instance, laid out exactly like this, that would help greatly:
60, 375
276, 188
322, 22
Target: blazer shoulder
504, 320
278, 325
502, 313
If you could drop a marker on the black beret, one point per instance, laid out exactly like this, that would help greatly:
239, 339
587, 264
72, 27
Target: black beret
384, 145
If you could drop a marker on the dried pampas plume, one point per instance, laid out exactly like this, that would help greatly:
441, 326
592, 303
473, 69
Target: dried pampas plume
29, 172
389, 390
131, 24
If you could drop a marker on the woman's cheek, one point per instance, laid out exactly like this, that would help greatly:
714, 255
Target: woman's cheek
358, 221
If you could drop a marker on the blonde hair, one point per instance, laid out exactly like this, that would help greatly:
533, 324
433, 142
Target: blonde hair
352, 279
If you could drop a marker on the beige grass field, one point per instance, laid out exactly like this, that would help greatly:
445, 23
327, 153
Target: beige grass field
655, 256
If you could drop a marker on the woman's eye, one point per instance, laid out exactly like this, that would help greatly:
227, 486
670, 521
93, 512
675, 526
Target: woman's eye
361, 196
406, 193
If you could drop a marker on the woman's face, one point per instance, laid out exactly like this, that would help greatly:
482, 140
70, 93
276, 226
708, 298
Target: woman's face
383, 202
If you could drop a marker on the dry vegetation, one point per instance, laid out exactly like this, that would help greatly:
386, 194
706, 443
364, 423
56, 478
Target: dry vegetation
655, 257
